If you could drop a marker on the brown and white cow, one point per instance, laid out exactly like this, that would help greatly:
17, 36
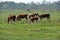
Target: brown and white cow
33, 15
32, 19
21, 16
11, 17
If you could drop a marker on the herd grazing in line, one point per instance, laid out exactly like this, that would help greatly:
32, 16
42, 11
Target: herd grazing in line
29, 17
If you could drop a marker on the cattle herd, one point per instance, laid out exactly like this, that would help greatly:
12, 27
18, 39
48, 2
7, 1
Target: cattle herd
29, 17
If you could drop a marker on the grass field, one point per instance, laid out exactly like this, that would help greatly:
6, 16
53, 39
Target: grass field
21, 30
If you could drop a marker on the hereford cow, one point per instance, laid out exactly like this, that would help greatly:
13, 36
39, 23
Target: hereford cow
11, 17
32, 19
32, 15
21, 16
44, 16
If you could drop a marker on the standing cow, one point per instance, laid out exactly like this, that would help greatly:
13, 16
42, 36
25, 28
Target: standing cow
21, 16
11, 17
32, 19
44, 16
33, 15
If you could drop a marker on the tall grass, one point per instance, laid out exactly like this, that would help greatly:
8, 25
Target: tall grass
21, 30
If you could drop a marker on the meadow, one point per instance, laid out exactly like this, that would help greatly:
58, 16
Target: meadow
21, 30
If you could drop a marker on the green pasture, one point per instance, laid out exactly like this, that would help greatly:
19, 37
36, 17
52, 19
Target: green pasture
22, 30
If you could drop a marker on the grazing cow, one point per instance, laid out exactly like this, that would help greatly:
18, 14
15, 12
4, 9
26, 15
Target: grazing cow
32, 19
21, 16
32, 15
11, 17
44, 16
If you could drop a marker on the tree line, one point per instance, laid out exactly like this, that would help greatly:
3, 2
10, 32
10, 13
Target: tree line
33, 6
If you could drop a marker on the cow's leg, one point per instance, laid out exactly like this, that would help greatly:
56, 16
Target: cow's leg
8, 20
48, 18
14, 19
36, 19
18, 18
30, 21
26, 18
